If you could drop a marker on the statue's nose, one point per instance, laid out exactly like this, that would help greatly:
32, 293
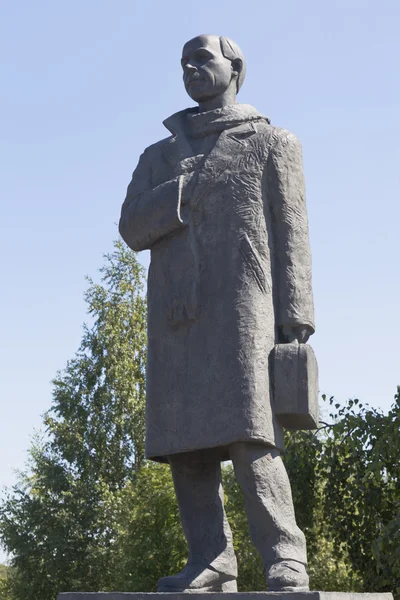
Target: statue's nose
189, 69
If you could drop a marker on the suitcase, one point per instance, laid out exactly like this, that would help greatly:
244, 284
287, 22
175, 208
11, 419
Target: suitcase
295, 385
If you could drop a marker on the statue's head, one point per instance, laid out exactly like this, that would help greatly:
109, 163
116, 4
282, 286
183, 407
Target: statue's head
213, 67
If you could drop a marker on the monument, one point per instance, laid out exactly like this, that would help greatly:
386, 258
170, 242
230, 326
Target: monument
221, 205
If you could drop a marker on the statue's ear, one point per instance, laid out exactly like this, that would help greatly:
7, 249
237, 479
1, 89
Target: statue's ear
237, 66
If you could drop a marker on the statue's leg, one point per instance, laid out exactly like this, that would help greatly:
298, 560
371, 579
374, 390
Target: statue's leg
269, 506
211, 564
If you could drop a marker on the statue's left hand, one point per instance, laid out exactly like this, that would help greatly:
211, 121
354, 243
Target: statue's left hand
290, 333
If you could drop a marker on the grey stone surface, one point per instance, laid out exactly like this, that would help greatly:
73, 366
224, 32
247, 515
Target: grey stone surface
236, 596
272, 524
221, 205
295, 385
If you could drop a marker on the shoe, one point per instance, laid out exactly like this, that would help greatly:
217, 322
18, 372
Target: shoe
197, 578
287, 576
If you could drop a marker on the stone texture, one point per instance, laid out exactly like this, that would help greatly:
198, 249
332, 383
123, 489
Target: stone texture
228, 268
225, 596
213, 286
221, 205
272, 524
295, 384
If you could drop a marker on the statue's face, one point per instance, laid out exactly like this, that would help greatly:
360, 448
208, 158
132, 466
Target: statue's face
206, 72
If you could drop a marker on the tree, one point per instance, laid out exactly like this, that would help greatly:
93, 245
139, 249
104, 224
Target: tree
150, 543
304, 461
5, 592
360, 465
59, 521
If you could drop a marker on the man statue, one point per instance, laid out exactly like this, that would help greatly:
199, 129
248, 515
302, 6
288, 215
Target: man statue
221, 205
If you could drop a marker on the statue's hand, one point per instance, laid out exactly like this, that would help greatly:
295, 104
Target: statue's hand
290, 333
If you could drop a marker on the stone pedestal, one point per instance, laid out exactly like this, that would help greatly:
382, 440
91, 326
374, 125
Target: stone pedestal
224, 596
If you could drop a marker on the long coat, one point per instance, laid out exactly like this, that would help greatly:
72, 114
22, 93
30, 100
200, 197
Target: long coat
221, 205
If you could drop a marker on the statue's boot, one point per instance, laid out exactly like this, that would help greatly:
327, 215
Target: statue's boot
287, 576
196, 578
211, 565
269, 507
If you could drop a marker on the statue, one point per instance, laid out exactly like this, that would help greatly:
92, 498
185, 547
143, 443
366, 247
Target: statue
221, 205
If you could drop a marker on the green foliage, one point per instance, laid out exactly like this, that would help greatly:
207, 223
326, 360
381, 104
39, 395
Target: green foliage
346, 489
5, 588
304, 458
361, 469
61, 519
150, 542
97, 418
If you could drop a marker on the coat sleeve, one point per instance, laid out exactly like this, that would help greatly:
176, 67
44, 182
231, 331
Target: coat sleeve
292, 256
150, 213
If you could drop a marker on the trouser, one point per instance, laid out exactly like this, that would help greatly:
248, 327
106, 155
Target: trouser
267, 498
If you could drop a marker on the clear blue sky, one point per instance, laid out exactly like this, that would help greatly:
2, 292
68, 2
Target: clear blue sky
85, 87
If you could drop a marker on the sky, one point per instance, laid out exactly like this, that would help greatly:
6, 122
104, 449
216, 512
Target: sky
85, 88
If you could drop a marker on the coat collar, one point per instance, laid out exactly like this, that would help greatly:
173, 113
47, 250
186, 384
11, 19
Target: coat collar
199, 124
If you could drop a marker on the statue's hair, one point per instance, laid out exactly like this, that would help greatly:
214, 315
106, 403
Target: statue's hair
232, 51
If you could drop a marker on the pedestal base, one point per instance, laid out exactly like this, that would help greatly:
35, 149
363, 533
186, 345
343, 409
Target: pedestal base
224, 596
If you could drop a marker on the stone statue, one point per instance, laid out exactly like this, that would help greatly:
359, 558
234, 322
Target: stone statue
221, 205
